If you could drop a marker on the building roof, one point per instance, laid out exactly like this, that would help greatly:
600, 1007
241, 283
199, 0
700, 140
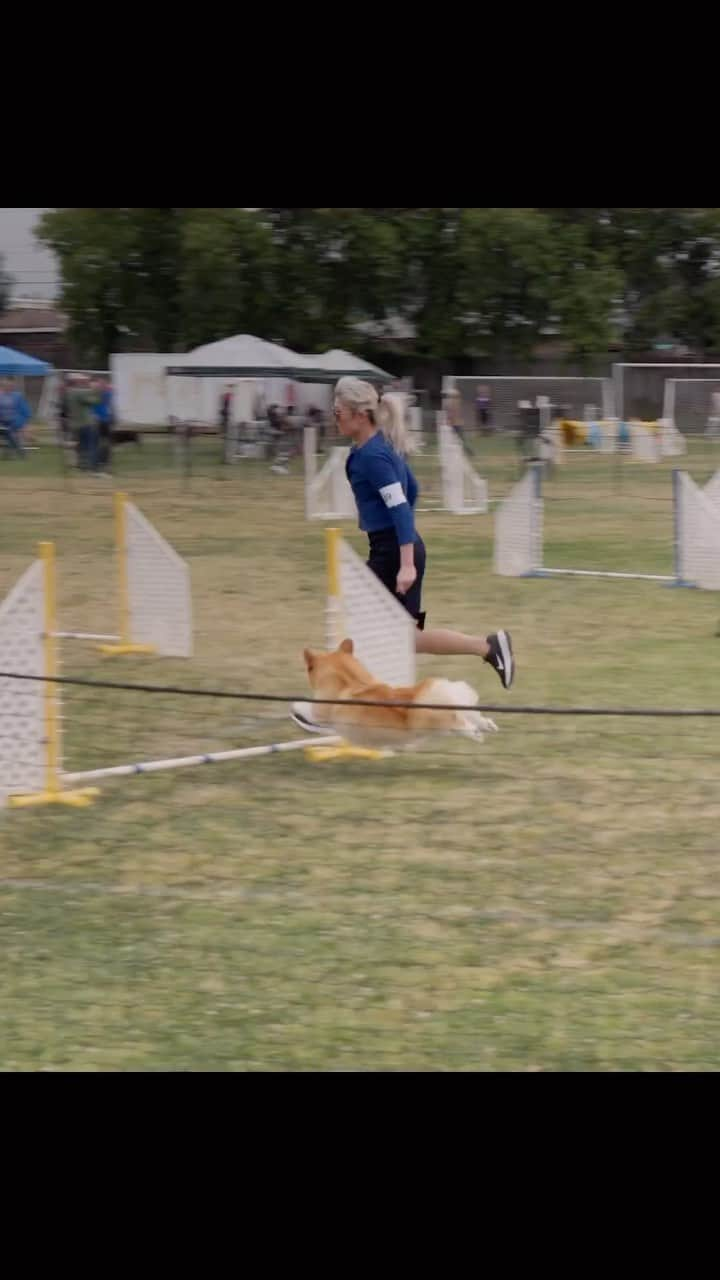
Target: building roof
25, 319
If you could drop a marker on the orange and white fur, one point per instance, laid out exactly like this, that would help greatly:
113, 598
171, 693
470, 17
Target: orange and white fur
340, 675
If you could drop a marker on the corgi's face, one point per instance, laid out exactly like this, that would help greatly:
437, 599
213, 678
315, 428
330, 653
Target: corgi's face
330, 673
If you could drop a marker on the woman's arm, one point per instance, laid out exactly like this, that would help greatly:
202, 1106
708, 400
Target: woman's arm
383, 475
407, 572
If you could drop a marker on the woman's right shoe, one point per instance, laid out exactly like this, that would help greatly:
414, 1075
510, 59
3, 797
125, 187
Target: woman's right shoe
501, 657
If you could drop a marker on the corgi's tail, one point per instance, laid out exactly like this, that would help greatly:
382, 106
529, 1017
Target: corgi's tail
459, 693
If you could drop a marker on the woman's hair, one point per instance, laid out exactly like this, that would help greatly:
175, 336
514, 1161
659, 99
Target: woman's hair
388, 411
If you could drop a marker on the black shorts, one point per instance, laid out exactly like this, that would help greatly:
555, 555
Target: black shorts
384, 561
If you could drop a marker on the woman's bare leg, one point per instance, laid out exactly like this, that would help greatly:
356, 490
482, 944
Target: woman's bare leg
495, 649
439, 640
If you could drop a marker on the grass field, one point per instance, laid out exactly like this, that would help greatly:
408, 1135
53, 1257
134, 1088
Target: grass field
546, 901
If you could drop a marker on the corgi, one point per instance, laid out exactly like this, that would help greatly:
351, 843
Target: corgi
340, 675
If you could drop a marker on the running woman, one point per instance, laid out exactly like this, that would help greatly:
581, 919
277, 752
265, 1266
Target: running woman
385, 492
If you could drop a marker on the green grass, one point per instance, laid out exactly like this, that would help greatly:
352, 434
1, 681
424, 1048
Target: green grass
547, 901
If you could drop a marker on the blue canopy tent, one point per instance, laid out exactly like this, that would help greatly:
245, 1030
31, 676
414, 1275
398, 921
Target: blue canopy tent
16, 364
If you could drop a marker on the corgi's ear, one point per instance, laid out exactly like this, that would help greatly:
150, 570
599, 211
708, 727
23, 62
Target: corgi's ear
309, 657
346, 646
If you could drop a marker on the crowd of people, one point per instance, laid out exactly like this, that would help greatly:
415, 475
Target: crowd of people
85, 418
276, 431
286, 433
277, 428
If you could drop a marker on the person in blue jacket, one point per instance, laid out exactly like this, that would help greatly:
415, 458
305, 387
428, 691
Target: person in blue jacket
104, 417
385, 492
14, 415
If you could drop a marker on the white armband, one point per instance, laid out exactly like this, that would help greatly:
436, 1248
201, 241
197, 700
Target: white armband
392, 494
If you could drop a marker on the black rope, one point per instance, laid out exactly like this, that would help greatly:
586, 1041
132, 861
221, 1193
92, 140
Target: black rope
498, 708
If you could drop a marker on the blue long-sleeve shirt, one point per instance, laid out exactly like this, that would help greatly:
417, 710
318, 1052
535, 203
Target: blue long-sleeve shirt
103, 410
384, 487
14, 410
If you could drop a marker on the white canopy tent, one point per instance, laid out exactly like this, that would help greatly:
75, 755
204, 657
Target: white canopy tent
144, 394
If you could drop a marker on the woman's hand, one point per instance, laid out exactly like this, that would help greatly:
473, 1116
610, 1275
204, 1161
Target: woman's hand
407, 574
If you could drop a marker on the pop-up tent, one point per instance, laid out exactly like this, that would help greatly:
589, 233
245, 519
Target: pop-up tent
16, 364
273, 368
249, 357
256, 369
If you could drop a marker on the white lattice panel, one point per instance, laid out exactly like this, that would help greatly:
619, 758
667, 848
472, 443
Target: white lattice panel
382, 632
698, 521
22, 718
518, 530
608, 435
672, 441
643, 445
552, 444
159, 590
464, 491
712, 490
46, 410
328, 494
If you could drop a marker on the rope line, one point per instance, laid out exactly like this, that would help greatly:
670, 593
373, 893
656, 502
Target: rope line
498, 708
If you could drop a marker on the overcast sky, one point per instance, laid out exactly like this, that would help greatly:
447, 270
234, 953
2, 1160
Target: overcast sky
32, 267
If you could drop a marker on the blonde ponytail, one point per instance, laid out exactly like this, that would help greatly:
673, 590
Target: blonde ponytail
393, 423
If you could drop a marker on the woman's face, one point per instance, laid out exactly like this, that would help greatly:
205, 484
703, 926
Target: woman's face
346, 418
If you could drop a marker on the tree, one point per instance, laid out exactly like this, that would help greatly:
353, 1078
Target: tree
585, 286
156, 252
333, 268
99, 272
668, 260
120, 273
432, 269
494, 281
505, 278
227, 275
471, 281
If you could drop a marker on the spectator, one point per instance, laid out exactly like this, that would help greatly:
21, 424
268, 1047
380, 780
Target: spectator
22, 413
526, 430
62, 411
14, 415
259, 406
6, 433
483, 411
454, 415
288, 438
712, 429
104, 417
225, 409
316, 419
276, 434
83, 423
293, 431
